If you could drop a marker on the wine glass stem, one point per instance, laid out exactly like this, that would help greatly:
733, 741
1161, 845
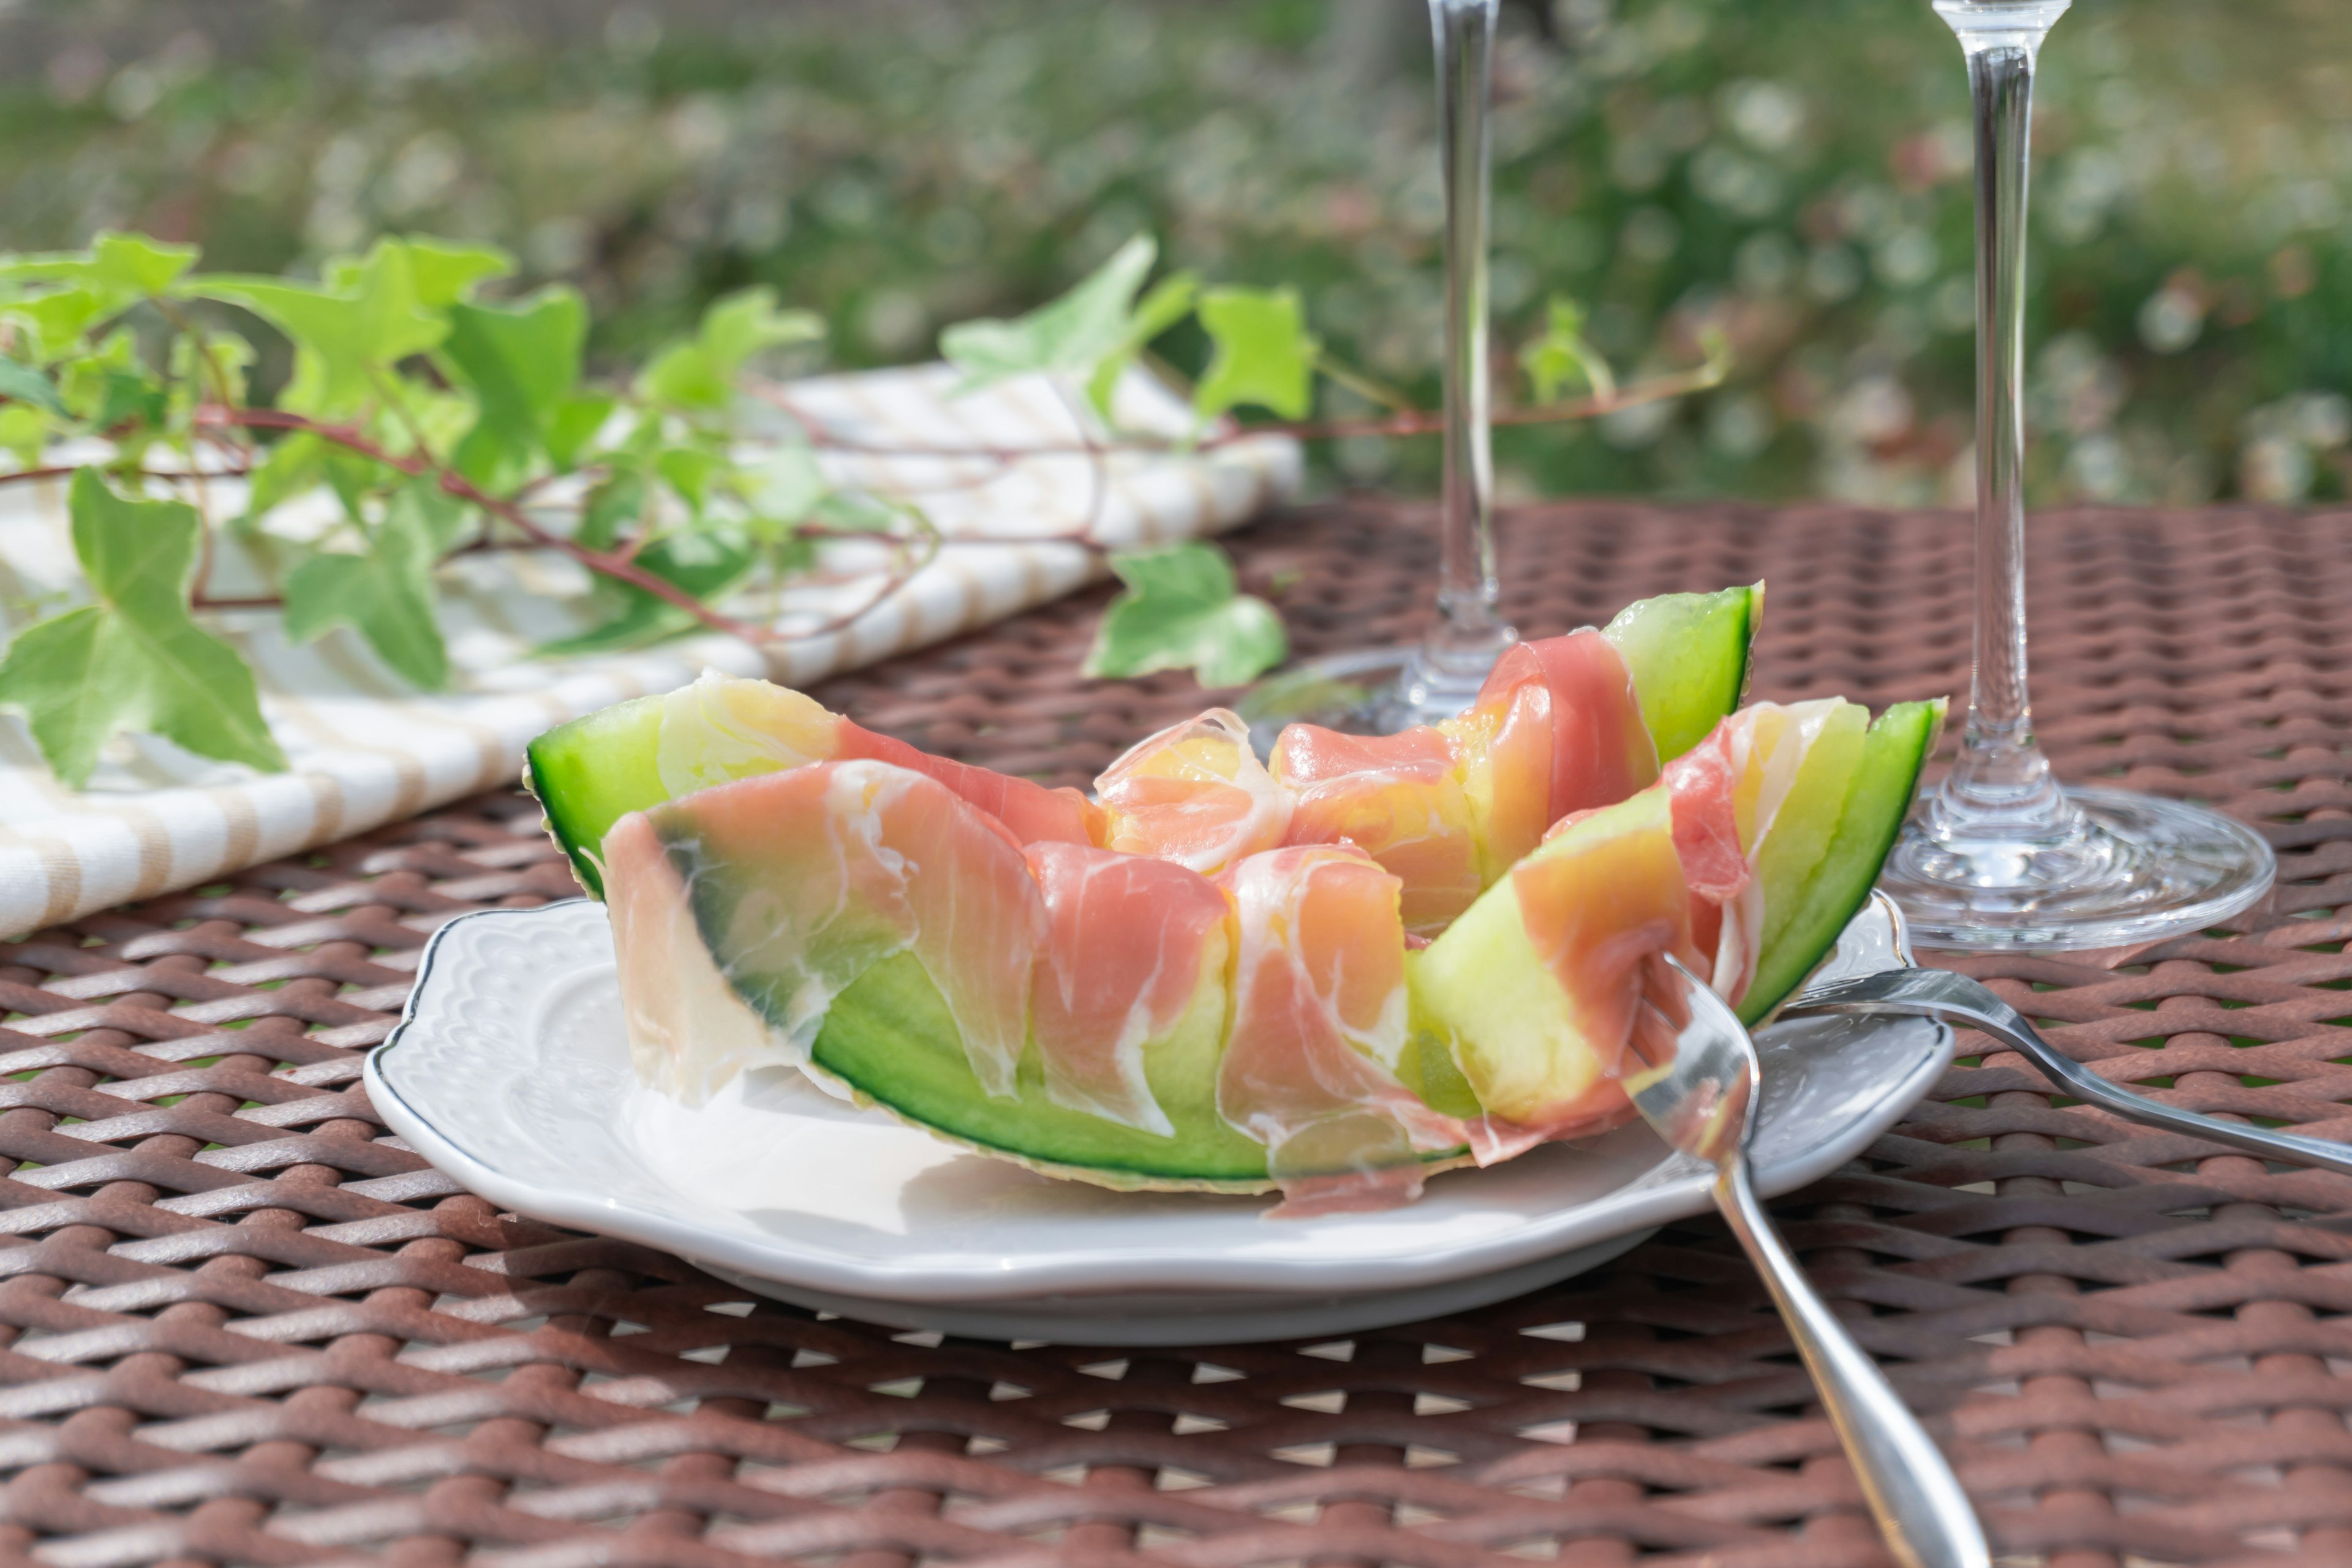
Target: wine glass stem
1468, 633
2001, 786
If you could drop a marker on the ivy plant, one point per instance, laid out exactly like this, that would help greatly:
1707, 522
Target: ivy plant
445, 412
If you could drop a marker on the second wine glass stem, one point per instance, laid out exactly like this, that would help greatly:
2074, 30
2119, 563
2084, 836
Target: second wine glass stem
1468, 633
2001, 785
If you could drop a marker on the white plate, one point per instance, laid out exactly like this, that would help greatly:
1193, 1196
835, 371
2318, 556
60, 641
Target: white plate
509, 1072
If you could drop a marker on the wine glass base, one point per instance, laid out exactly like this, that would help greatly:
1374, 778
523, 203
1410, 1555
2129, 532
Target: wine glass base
1378, 692
2138, 868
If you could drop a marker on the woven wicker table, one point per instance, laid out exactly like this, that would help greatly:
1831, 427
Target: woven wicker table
239, 1324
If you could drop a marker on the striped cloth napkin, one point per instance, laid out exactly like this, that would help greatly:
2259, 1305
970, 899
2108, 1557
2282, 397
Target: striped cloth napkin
367, 749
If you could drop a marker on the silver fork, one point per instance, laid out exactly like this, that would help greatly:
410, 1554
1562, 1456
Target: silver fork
1700, 1096
1956, 999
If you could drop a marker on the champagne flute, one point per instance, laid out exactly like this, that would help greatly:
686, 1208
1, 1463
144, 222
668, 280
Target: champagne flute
1384, 690
2000, 856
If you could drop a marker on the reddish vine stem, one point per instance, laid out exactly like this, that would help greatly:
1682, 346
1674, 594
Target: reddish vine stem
621, 565
169, 476
603, 563
64, 472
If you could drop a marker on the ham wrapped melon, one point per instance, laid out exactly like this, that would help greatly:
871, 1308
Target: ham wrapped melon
1744, 861
1194, 792
1125, 1020
591, 773
1222, 976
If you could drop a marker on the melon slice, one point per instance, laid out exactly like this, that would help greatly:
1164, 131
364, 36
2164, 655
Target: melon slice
1809, 904
1557, 728
1691, 655
1320, 1015
594, 771
1563, 725
1194, 794
1278, 1032
1688, 654
1763, 793
800, 882
1132, 942
1398, 798
1529, 993
917, 935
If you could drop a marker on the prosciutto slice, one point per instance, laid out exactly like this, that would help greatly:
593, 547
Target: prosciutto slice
1194, 794
1319, 1024
1396, 797
800, 881
1129, 942
688, 1031
1556, 729
723, 729
1034, 813
1703, 784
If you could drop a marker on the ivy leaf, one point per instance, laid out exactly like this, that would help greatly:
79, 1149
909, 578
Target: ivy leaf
706, 563
1072, 335
116, 272
113, 389
384, 593
1264, 353
20, 383
522, 362
135, 658
746, 322
297, 464
25, 433
1180, 610
442, 516
58, 319
211, 366
699, 373
575, 422
1561, 358
689, 470
445, 274
366, 321
1170, 302
129, 399
138, 265
121, 266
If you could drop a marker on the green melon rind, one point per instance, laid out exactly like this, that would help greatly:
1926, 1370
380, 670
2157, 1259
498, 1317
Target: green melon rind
891, 1040
1690, 655
891, 1037
1877, 800
592, 772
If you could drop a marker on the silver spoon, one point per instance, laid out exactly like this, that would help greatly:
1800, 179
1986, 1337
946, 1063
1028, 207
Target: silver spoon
1956, 999
1700, 1095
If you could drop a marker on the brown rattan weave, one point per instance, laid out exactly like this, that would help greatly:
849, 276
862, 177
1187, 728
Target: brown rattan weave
240, 1325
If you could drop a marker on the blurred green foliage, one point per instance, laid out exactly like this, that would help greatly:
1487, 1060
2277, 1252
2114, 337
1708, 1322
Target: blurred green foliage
1793, 176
